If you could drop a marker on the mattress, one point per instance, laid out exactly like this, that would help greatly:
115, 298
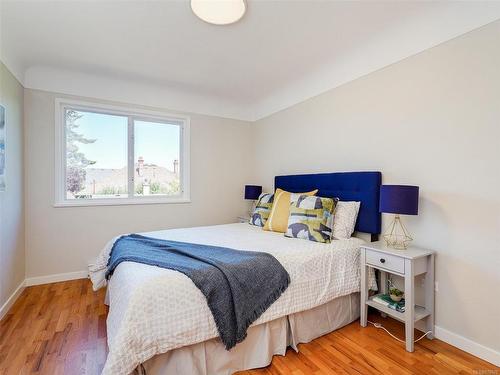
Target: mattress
154, 310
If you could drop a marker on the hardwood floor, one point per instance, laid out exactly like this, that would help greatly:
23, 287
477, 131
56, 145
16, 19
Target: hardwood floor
54, 329
60, 328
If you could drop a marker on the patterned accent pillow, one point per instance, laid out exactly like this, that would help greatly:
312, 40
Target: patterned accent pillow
346, 214
262, 209
278, 218
311, 218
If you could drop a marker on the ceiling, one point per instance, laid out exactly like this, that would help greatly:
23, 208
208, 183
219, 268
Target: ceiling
158, 53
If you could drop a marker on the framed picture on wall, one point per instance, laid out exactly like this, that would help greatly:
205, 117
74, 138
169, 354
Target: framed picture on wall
2, 148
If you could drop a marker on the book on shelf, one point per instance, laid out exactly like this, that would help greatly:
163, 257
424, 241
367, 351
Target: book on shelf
385, 299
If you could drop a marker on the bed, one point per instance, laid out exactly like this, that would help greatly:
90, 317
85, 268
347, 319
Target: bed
159, 321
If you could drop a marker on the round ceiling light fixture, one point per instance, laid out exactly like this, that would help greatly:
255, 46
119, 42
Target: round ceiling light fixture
219, 12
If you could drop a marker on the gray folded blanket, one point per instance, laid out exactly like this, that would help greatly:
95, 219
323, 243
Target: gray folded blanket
239, 285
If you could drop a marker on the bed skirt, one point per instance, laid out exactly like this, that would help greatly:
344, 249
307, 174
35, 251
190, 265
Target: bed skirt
263, 341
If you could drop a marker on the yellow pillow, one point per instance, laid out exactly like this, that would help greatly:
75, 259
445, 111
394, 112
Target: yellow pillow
278, 218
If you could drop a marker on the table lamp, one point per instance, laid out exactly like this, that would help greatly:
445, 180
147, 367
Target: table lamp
398, 200
252, 192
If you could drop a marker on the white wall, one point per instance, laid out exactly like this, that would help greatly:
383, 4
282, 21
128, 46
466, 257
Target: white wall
12, 200
61, 240
431, 120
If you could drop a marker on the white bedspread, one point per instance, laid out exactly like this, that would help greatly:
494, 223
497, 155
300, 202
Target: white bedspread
154, 310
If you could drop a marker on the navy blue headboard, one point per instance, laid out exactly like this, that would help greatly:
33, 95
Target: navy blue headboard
347, 186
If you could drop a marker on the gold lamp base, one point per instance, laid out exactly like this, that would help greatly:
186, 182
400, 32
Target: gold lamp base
396, 235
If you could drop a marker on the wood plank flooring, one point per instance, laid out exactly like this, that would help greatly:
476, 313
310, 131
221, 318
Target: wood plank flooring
60, 328
54, 329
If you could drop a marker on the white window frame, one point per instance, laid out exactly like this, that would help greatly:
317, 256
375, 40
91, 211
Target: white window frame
62, 104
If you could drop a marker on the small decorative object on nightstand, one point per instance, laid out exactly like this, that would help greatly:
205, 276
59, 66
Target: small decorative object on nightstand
252, 193
399, 200
395, 294
408, 264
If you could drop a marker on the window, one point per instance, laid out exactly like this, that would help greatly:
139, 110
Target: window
107, 155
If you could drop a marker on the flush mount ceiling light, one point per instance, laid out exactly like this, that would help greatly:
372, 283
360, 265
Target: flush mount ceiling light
219, 12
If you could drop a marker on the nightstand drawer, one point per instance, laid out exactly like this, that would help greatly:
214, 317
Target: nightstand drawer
386, 261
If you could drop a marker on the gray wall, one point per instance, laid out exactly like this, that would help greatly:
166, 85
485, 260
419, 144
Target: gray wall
431, 120
12, 200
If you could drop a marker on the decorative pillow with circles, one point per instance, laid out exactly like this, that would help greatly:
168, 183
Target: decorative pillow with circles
344, 220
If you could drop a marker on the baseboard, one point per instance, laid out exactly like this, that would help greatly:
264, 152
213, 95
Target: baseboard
30, 281
56, 278
10, 301
467, 345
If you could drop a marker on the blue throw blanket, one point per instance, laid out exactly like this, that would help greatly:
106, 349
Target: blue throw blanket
238, 285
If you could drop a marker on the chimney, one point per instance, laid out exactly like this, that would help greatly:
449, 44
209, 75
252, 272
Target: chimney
140, 165
176, 166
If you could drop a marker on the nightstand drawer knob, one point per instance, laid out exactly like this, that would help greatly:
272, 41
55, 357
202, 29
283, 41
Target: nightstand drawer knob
382, 260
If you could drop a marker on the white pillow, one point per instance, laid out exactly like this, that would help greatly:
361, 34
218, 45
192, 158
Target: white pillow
344, 219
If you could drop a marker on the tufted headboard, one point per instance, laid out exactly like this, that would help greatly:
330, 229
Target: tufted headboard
347, 186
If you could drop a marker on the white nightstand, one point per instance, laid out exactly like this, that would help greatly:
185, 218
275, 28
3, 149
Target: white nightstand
243, 219
408, 264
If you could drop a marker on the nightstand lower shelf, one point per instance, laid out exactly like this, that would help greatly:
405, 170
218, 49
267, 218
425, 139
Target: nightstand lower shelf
420, 312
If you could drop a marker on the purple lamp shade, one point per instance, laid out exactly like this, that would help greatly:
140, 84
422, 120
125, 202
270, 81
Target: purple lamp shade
399, 199
252, 192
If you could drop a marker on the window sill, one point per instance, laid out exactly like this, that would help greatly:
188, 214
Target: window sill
120, 202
